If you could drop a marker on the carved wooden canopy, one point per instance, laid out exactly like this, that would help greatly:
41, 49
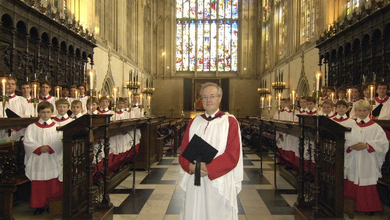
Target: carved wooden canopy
34, 46
357, 47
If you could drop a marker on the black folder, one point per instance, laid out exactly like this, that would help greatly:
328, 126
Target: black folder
69, 112
377, 110
201, 151
11, 114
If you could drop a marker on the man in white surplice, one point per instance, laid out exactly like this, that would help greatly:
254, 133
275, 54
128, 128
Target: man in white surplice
216, 197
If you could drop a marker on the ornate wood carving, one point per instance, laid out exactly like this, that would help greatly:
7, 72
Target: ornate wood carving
357, 46
35, 44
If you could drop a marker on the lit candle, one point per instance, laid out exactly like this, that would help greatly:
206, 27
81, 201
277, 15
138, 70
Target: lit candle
76, 94
371, 92
318, 81
140, 99
149, 98
349, 95
114, 95
293, 97
262, 102
3, 82
279, 99
332, 96
91, 80
35, 91
269, 100
58, 92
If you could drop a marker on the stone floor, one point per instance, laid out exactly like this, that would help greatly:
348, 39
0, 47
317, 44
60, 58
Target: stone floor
158, 196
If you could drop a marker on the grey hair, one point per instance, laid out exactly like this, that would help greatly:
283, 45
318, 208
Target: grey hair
207, 84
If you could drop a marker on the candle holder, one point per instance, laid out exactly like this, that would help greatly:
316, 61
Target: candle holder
279, 86
133, 85
263, 91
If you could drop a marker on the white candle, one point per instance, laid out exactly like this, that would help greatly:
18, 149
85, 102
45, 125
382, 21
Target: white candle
149, 98
262, 102
279, 99
293, 97
58, 92
3, 82
349, 95
269, 100
35, 91
140, 99
318, 81
129, 98
90, 80
372, 92
332, 96
76, 95
114, 95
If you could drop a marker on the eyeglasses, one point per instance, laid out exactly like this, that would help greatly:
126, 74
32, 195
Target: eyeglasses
211, 97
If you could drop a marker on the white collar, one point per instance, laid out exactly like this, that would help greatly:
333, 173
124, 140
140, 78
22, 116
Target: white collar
367, 119
65, 116
339, 116
48, 122
213, 115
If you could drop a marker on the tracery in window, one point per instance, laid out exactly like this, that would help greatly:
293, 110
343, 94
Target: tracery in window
282, 26
206, 35
307, 20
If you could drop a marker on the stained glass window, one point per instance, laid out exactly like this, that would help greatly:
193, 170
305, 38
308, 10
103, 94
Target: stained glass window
307, 20
206, 35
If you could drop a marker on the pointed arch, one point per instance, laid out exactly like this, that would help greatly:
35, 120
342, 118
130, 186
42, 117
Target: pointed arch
108, 82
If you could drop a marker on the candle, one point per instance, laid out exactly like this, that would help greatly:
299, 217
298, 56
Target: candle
279, 99
35, 91
262, 102
114, 96
91, 80
371, 92
293, 97
269, 100
58, 92
3, 82
76, 95
140, 99
349, 95
149, 98
332, 96
318, 81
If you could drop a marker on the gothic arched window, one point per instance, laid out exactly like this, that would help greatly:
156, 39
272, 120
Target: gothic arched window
206, 35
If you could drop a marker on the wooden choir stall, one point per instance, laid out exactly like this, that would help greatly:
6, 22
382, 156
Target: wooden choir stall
89, 175
310, 153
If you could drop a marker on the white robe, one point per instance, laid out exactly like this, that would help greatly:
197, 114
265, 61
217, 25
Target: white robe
362, 167
52, 100
44, 166
19, 105
220, 194
385, 111
136, 112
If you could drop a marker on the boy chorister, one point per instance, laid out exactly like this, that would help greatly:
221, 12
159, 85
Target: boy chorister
83, 98
311, 106
76, 108
341, 117
17, 104
43, 152
44, 95
92, 105
382, 102
104, 102
62, 117
121, 112
327, 109
364, 154
355, 97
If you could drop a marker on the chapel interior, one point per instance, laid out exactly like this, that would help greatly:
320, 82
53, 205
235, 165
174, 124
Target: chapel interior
258, 51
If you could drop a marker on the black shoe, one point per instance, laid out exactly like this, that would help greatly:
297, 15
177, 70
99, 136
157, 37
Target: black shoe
39, 211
